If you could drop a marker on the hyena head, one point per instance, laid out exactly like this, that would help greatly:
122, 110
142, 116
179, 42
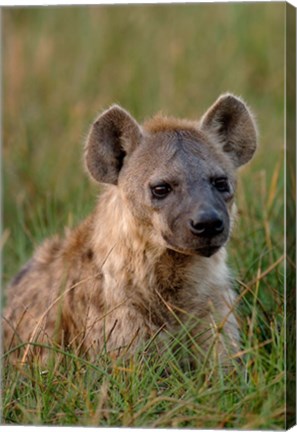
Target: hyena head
177, 177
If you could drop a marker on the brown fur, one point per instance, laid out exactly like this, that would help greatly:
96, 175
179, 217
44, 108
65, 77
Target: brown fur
133, 266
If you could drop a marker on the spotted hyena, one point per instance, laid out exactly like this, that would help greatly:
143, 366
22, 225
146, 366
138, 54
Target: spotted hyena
152, 254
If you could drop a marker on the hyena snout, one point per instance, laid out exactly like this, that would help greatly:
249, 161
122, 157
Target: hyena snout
207, 223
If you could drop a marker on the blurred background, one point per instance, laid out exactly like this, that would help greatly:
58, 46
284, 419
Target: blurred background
63, 65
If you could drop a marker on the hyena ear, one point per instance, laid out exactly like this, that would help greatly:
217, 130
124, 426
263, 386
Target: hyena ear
231, 123
112, 136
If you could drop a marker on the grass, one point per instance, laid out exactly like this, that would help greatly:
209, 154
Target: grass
145, 392
63, 65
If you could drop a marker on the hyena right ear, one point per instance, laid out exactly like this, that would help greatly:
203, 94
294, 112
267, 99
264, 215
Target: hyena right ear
112, 136
231, 124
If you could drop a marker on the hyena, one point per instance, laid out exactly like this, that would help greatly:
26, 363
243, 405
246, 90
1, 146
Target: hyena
151, 257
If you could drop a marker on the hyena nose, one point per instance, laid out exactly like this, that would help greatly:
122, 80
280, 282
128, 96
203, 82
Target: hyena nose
207, 224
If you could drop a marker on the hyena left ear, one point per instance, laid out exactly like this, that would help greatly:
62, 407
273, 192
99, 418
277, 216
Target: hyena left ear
230, 122
113, 136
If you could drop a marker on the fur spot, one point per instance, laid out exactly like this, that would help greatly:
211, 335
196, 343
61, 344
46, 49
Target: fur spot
90, 254
17, 279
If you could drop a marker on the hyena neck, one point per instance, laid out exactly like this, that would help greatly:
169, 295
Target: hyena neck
128, 258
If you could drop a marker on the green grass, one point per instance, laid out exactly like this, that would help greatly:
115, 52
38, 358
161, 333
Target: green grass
147, 391
62, 66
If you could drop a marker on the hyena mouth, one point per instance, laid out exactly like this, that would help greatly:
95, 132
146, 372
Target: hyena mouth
207, 251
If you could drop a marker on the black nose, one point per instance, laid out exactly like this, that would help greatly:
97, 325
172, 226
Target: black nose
207, 224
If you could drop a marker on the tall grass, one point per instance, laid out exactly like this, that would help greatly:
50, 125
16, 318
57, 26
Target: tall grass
63, 65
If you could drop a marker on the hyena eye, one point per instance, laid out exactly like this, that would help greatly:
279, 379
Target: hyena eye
221, 184
161, 190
